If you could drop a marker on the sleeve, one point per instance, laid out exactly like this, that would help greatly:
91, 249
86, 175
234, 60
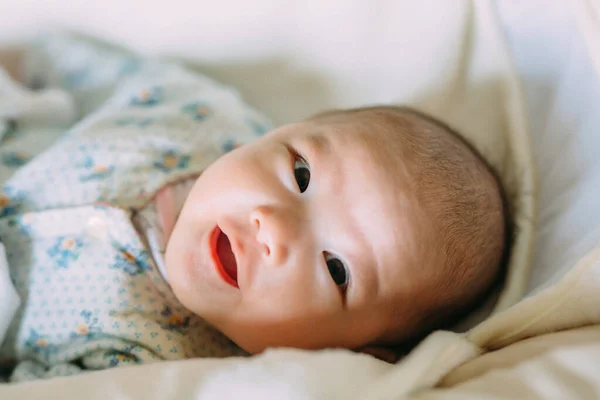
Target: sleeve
107, 354
50, 108
86, 68
29, 122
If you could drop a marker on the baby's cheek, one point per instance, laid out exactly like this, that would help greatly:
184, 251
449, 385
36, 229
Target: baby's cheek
174, 254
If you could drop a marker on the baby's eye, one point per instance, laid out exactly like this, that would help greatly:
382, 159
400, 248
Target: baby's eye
337, 270
301, 173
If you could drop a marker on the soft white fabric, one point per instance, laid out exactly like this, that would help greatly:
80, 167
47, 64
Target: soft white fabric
334, 53
555, 46
523, 351
49, 108
280, 374
560, 365
566, 265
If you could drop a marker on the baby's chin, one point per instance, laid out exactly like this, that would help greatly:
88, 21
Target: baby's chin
169, 255
256, 338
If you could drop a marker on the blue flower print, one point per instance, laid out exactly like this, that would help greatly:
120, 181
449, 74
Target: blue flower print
171, 160
147, 97
174, 322
40, 344
136, 122
7, 206
229, 145
129, 66
131, 261
257, 127
65, 250
95, 170
23, 222
9, 201
122, 356
15, 159
77, 78
198, 111
88, 326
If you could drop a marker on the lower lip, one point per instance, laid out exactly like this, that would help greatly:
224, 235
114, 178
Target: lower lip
214, 237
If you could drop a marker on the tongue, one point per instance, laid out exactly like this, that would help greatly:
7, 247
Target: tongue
226, 256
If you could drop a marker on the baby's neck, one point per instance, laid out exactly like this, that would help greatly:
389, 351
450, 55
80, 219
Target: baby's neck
166, 210
169, 202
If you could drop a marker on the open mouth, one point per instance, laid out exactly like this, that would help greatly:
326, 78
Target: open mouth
223, 256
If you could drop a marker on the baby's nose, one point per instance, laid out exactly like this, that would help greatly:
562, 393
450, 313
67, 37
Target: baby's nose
274, 233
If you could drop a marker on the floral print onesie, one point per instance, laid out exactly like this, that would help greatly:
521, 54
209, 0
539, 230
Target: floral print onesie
91, 294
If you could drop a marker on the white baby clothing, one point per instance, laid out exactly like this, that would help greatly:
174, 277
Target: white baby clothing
92, 291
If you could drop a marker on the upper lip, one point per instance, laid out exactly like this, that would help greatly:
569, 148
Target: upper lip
216, 259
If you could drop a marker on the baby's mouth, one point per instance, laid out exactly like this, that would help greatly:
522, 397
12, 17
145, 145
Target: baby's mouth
224, 257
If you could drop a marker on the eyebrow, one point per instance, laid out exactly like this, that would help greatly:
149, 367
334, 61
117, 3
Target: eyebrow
318, 144
321, 146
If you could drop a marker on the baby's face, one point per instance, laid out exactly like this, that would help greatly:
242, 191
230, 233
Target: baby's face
300, 239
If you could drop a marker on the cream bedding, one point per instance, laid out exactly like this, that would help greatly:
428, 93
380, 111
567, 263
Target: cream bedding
450, 59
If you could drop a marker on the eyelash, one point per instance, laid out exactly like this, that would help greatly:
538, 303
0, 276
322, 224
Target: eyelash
344, 286
297, 157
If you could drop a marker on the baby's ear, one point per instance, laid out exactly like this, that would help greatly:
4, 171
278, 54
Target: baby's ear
380, 352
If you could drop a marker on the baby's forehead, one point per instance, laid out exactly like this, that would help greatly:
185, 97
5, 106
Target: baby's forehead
372, 143
380, 185
376, 129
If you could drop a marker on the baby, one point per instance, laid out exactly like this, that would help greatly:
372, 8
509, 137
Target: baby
360, 228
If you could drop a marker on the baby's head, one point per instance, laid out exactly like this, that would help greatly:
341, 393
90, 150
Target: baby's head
354, 228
